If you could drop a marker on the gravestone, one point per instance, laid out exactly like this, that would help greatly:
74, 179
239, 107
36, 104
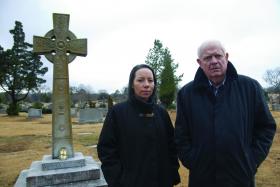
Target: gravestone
3, 108
74, 112
275, 107
34, 113
3, 111
90, 115
274, 98
63, 167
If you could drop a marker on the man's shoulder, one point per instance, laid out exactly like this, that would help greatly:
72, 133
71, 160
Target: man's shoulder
247, 80
187, 87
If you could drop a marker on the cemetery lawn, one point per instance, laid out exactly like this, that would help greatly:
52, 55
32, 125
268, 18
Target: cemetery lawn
23, 140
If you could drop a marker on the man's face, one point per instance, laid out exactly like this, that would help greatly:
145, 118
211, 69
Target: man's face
213, 61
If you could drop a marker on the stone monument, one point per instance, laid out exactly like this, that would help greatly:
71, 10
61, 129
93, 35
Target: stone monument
63, 167
91, 115
34, 113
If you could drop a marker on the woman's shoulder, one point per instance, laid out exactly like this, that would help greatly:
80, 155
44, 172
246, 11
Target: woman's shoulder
120, 106
160, 109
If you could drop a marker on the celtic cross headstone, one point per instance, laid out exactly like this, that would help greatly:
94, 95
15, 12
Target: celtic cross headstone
60, 46
63, 167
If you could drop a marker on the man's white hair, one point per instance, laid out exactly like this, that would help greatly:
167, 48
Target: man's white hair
208, 43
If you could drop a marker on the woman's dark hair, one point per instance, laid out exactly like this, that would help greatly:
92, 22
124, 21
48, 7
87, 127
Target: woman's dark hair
132, 77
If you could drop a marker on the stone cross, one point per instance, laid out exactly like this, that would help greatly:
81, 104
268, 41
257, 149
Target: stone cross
60, 47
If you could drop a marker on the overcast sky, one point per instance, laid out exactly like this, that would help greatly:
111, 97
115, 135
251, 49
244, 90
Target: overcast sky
121, 32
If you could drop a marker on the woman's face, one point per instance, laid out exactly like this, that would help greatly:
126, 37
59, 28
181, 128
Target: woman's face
143, 83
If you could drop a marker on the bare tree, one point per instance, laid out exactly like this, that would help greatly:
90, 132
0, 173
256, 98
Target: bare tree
272, 77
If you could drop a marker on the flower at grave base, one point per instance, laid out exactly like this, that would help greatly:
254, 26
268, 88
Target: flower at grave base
63, 154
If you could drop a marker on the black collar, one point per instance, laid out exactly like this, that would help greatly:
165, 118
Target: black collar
201, 81
143, 107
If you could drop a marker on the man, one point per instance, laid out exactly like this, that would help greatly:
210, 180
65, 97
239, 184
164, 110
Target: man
223, 128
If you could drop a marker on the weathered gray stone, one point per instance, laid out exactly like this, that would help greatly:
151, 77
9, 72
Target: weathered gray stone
34, 113
274, 98
37, 177
90, 183
91, 115
88, 175
50, 164
276, 107
2, 111
3, 107
103, 111
21, 182
60, 46
74, 112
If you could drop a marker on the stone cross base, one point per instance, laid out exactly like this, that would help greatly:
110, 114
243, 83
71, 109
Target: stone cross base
74, 172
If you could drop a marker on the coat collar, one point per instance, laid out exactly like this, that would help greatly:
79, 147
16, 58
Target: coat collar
201, 81
141, 106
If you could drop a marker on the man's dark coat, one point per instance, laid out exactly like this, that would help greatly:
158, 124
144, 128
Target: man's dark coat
222, 139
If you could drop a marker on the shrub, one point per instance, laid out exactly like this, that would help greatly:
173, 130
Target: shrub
37, 105
13, 110
46, 111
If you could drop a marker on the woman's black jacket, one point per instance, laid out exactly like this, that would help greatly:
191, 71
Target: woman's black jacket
137, 149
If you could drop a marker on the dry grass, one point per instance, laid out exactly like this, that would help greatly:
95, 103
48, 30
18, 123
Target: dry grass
23, 140
268, 174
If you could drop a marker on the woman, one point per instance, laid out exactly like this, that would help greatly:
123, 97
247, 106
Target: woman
136, 145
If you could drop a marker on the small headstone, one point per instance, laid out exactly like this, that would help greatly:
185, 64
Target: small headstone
2, 111
103, 111
274, 98
74, 112
276, 107
90, 115
3, 108
34, 113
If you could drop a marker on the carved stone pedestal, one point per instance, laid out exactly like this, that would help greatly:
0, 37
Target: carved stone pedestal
78, 171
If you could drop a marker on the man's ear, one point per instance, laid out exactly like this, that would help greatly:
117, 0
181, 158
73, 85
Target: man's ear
198, 61
227, 56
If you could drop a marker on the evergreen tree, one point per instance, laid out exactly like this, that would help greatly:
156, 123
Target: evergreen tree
155, 59
160, 60
19, 69
167, 88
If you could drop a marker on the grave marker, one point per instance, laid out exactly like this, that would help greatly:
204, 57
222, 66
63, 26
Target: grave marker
34, 113
63, 167
60, 47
